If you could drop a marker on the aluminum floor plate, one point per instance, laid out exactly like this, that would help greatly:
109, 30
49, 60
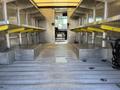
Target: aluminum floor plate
49, 72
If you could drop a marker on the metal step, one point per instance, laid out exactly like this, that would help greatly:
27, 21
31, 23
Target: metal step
61, 87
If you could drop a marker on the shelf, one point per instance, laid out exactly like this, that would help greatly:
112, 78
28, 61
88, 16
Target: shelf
28, 6
110, 24
12, 28
23, 6
84, 7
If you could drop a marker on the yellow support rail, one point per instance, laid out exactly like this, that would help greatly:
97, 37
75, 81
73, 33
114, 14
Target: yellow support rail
81, 30
110, 28
86, 30
95, 29
11, 28
38, 30
28, 30
16, 30
4, 27
77, 30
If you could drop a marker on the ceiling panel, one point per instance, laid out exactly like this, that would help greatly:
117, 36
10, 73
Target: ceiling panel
56, 3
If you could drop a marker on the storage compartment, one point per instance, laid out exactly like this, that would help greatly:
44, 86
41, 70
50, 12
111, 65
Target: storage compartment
27, 52
93, 53
7, 57
85, 52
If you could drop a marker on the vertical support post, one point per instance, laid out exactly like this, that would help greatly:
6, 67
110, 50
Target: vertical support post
75, 36
20, 38
18, 16
82, 20
93, 37
94, 19
28, 39
81, 36
39, 37
36, 23
94, 14
87, 18
105, 17
32, 38
105, 9
103, 41
26, 18
86, 37
33, 21
35, 35
8, 40
4, 3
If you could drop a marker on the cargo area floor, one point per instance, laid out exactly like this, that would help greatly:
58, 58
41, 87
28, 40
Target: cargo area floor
57, 68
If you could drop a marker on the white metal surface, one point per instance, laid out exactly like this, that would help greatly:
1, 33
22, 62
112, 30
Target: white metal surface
5, 10
20, 38
8, 40
93, 37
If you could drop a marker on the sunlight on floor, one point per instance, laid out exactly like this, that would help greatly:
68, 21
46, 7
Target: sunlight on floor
61, 60
62, 42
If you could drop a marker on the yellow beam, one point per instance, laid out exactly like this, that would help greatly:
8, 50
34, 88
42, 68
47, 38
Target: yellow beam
34, 30
86, 30
76, 30
95, 29
39, 30
4, 27
16, 30
28, 30
110, 28
81, 30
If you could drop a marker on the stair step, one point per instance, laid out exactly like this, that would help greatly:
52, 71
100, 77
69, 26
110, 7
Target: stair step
44, 81
61, 87
59, 72
56, 76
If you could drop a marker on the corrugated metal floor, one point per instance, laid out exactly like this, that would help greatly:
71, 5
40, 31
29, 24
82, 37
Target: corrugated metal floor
57, 68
